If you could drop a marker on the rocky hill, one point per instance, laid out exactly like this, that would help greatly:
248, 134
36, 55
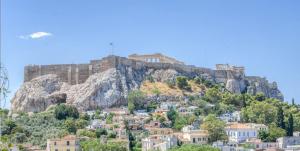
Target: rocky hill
106, 82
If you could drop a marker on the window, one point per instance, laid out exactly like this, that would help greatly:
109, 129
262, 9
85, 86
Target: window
68, 143
54, 143
194, 140
199, 139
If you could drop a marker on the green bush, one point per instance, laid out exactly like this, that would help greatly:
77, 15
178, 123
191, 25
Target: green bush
100, 131
171, 83
192, 147
87, 133
182, 83
95, 145
63, 111
70, 126
135, 100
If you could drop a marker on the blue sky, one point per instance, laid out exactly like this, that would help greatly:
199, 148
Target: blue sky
263, 36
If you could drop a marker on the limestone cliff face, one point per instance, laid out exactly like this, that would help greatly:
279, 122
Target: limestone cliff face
104, 89
109, 84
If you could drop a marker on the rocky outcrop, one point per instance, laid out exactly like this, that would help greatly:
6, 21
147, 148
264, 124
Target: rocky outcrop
257, 85
104, 89
113, 77
38, 94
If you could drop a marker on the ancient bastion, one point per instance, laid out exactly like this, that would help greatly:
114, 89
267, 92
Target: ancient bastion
78, 73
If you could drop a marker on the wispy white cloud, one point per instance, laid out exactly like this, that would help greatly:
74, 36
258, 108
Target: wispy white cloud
35, 35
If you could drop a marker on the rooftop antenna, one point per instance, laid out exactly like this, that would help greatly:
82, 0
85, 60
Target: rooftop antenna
111, 44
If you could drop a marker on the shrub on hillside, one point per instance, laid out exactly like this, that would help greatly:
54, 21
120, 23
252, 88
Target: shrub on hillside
63, 111
182, 83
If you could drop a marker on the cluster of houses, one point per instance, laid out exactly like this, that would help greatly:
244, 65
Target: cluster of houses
158, 137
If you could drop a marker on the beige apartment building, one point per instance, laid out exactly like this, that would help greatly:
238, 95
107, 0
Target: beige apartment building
67, 143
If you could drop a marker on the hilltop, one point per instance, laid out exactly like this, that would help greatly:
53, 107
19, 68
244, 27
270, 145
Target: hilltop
107, 82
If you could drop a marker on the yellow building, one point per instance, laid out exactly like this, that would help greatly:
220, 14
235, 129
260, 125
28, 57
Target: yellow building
67, 143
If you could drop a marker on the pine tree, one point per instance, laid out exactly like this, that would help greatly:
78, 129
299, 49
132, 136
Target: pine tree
293, 101
290, 126
280, 118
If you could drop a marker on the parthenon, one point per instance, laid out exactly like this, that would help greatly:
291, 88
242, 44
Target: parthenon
154, 58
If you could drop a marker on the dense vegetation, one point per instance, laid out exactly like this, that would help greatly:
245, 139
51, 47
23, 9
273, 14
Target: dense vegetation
135, 100
281, 117
37, 128
96, 145
194, 148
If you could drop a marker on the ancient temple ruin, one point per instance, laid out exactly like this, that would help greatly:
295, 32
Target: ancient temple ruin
230, 68
154, 58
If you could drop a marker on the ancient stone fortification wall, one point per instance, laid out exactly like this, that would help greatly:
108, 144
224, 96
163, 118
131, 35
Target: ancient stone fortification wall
70, 73
78, 73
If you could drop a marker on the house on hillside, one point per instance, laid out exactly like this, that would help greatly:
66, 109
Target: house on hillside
260, 145
288, 142
240, 132
159, 142
67, 143
191, 135
231, 117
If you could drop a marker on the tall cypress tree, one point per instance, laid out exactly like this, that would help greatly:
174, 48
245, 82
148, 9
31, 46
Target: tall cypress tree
280, 118
293, 101
290, 126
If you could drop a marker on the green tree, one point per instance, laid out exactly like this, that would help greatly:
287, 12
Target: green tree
95, 145
135, 100
109, 118
172, 115
171, 83
70, 125
215, 128
87, 133
81, 123
280, 118
100, 131
293, 101
290, 126
181, 82
8, 127
194, 147
180, 122
63, 111
260, 97
213, 95
272, 134
85, 116
259, 112
20, 137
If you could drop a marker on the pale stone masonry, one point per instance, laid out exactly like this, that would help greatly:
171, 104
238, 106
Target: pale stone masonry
233, 77
154, 58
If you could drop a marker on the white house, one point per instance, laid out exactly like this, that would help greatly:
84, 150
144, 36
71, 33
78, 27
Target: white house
231, 117
288, 142
260, 145
240, 132
159, 142
169, 105
96, 123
